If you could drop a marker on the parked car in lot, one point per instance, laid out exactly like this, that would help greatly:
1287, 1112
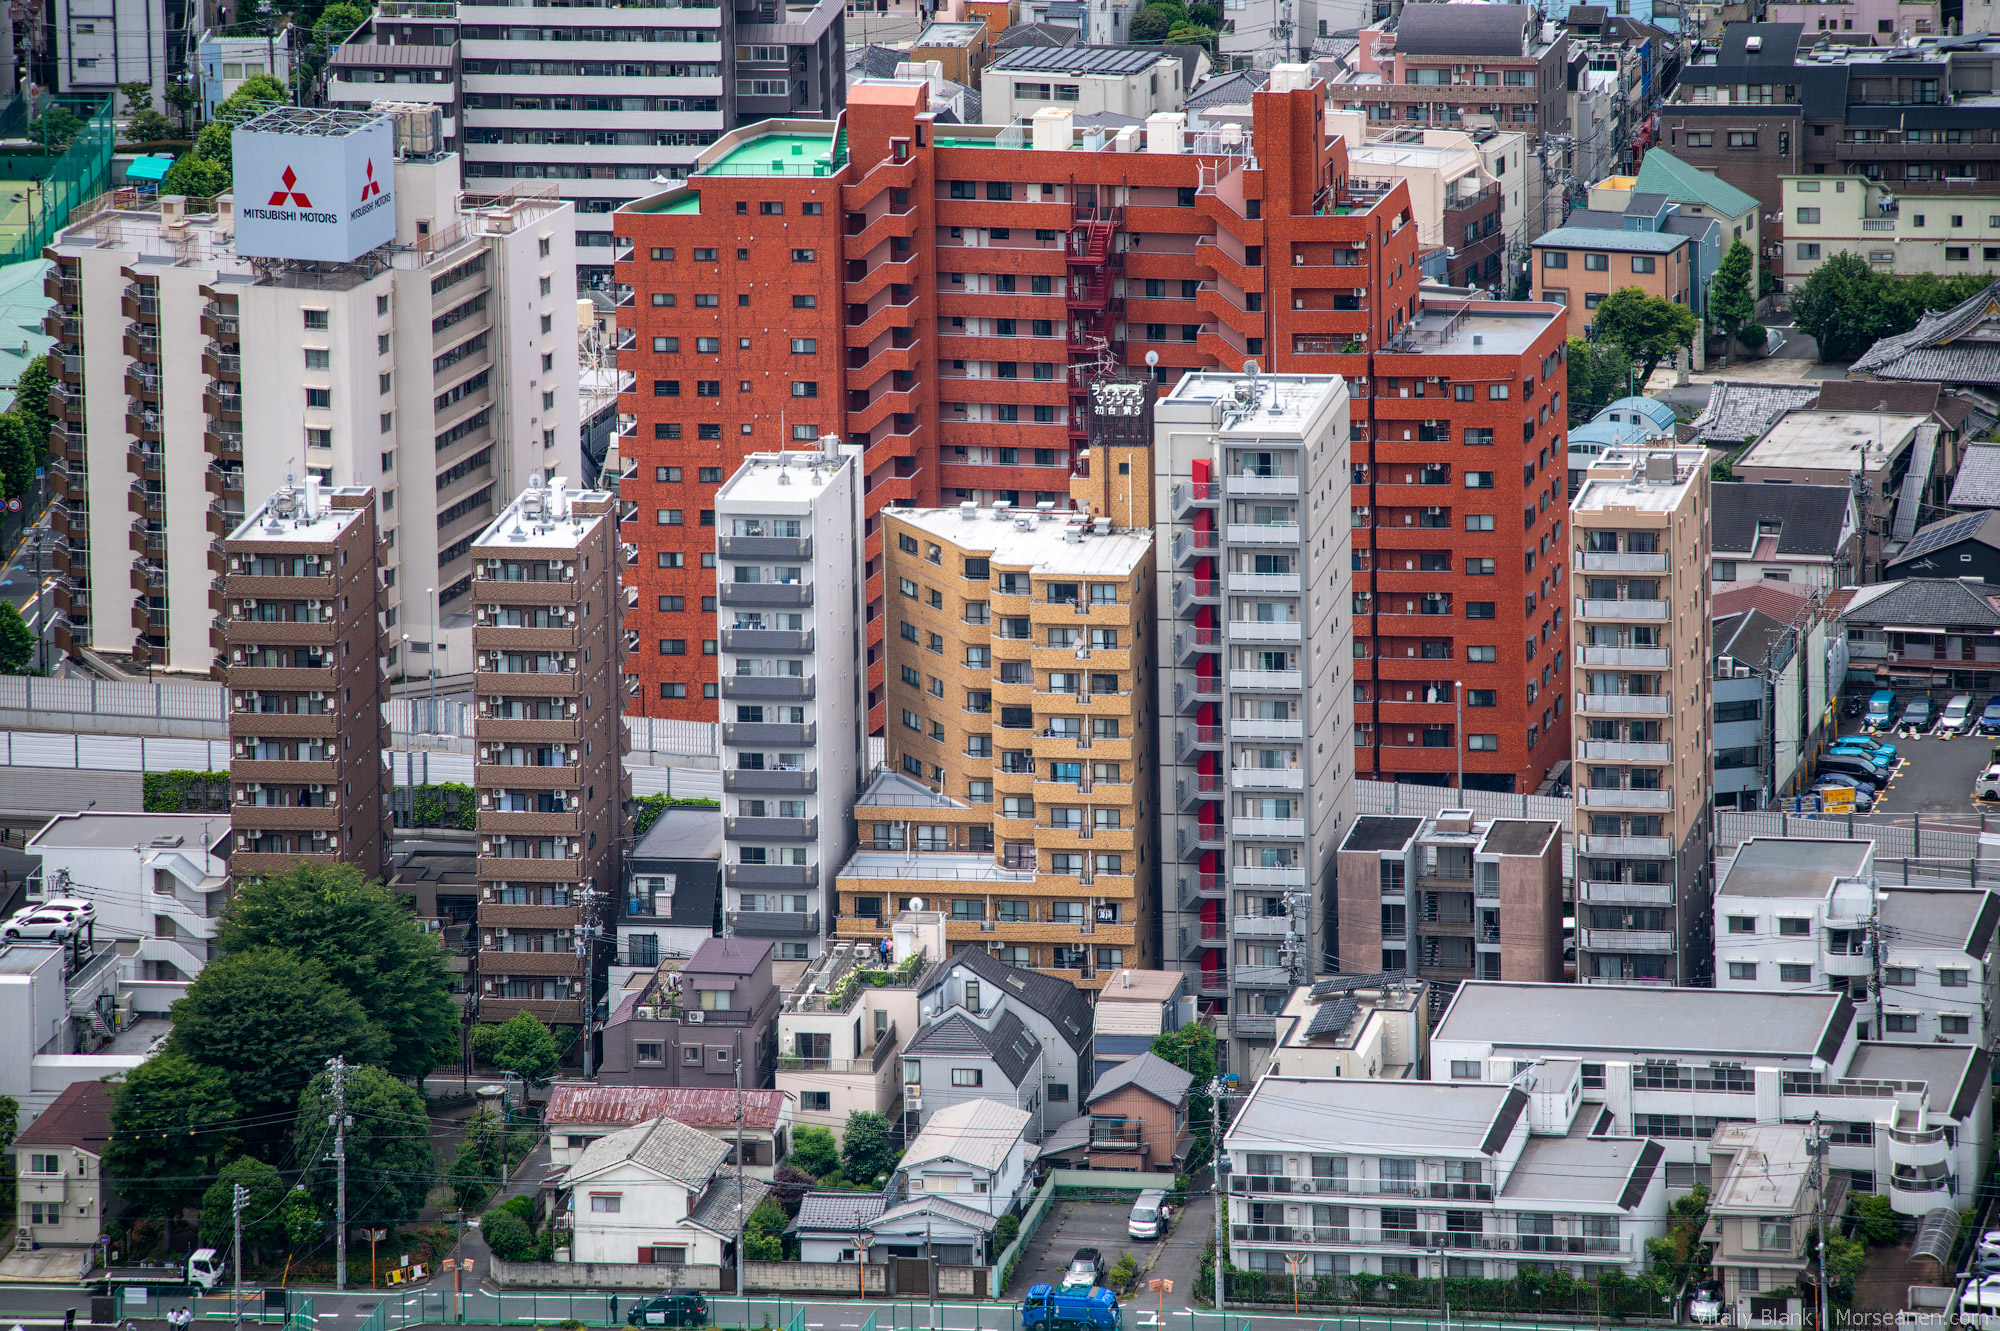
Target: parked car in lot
1881, 713
1882, 755
1086, 1268
1958, 715
1989, 1244
1150, 1214
1919, 716
1989, 719
1862, 798
38, 924
78, 907
1705, 1303
1849, 764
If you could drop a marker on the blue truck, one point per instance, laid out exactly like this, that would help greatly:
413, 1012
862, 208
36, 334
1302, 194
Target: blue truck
1048, 1309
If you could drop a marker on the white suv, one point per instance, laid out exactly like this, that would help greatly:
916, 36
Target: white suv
38, 924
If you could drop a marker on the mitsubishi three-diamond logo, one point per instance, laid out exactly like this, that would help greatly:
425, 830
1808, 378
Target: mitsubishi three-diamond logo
292, 194
373, 188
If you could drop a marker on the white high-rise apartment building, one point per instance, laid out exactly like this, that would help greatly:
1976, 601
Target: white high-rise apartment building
1256, 633
439, 368
789, 585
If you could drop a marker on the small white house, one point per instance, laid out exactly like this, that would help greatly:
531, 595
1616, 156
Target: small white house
658, 1194
973, 1153
829, 1224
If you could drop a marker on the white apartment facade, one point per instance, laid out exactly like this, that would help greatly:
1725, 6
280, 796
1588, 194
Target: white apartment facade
789, 585
1945, 234
439, 368
1917, 961
1913, 1121
1429, 1179
1251, 480
1083, 80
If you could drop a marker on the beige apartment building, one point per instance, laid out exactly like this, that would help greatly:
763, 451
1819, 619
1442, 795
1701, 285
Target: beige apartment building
549, 770
1946, 234
301, 638
1016, 796
1642, 768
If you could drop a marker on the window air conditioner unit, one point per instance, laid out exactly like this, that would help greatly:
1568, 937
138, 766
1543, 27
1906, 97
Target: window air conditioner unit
693, 1016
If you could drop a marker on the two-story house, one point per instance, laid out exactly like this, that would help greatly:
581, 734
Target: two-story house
1795, 913
1910, 1120
1432, 1179
673, 891
958, 1058
974, 1153
1133, 1008
581, 1112
692, 1020
62, 1199
1054, 1013
1356, 1025
1924, 631
1135, 1118
657, 1193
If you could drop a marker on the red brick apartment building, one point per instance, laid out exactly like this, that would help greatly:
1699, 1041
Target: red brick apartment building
941, 295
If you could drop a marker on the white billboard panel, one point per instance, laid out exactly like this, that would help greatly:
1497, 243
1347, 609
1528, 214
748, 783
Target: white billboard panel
324, 191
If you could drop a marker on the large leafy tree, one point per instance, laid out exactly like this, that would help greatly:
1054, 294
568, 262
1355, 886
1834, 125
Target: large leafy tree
171, 1120
1842, 306
17, 455
388, 1147
263, 1209
1599, 374
1731, 303
814, 1150
1647, 328
1191, 1048
866, 1148
523, 1046
31, 403
17, 641
368, 943
269, 1021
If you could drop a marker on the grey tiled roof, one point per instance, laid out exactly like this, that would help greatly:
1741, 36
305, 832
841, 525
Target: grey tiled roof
1058, 1000
956, 1033
1150, 1073
717, 1212
1931, 350
1750, 638
1743, 409
1811, 517
938, 1206
1444, 29
673, 1150
843, 1212
1923, 602
1034, 34
1229, 89
1978, 483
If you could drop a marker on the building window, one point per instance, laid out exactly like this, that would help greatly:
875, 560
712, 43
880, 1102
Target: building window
1597, 263
1742, 138
605, 1203
1643, 263
816, 1101
1554, 259
1742, 970
967, 1076
1954, 1025
1808, 249
1809, 217
648, 1052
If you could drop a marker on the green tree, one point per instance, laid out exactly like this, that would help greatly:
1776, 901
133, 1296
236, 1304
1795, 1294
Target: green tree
1204, 15
1730, 300
1647, 328
301, 1219
138, 96
149, 127
507, 1235
336, 23
196, 176
764, 1233
10, 1127
369, 944
1189, 33
524, 1046
814, 1150
17, 455
1840, 306
263, 1211
31, 402
17, 642
1876, 1220
1154, 22
482, 1163
269, 1021
1191, 1048
388, 1144
1679, 1255
169, 1121
182, 99
55, 127
866, 1148
1599, 373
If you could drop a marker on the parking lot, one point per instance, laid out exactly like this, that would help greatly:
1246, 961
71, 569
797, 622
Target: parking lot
1101, 1225
1936, 774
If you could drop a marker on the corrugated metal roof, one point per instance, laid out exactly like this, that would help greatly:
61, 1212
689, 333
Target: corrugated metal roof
976, 1132
574, 1103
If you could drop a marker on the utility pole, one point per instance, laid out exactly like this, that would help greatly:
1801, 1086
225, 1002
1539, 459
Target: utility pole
1218, 1165
742, 1220
338, 1067
1816, 1147
585, 946
1872, 927
239, 1196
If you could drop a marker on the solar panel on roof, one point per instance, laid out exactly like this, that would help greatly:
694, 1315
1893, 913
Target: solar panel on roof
1334, 985
1333, 1017
1942, 534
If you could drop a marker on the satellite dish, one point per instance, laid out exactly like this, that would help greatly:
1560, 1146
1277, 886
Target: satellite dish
916, 903
1152, 359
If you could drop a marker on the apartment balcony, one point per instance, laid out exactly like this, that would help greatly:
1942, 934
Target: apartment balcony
1191, 643
1278, 584
1639, 658
1261, 485
772, 875
1626, 894
1262, 828
1626, 704
1621, 609
1593, 797
768, 688
1189, 495
1257, 630
764, 547
1254, 1025
1267, 778
1628, 940
1257, 875
771, 829
1611, 751
1191, 592
1266, 680
773, 923
1192, 839
785, 595
1622, 563
768, 732
750, 781
1644, 847
1246, 727
767, 640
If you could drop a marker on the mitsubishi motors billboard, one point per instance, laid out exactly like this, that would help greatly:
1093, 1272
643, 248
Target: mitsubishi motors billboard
314, 184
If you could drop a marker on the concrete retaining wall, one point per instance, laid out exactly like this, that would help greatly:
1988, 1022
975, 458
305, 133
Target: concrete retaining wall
604, 1275
817, 1277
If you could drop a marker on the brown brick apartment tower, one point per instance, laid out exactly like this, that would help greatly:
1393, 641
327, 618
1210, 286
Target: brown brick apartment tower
943, 296
301, 643
549, 771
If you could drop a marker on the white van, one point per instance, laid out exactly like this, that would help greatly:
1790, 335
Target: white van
1150, 1214
1979, 1304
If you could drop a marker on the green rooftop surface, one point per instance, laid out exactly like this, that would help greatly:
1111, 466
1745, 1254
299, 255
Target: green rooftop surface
778, 155
1663, 173
689, 202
